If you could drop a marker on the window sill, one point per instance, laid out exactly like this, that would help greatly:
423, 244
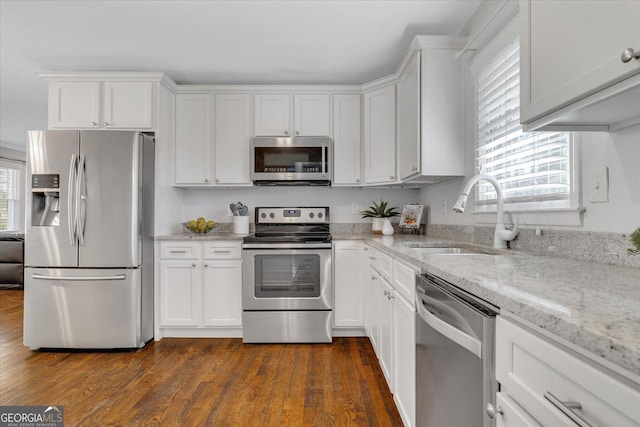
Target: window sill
568, 217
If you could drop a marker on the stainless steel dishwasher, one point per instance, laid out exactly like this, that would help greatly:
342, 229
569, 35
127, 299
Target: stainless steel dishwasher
455, 379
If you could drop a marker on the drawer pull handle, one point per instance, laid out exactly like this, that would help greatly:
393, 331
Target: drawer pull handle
177, 252
566, 408
221, 252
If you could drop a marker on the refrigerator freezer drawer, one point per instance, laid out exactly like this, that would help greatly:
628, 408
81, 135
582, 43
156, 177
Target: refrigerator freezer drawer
82, 308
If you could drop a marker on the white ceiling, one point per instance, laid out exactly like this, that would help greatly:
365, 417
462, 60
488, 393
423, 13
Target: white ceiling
243, 42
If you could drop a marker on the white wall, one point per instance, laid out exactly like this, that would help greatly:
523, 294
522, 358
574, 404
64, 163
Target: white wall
214, 203
619, 151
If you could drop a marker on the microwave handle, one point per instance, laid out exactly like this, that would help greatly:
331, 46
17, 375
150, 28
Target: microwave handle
324, 159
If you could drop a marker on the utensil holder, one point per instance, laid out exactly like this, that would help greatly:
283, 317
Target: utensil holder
241, 224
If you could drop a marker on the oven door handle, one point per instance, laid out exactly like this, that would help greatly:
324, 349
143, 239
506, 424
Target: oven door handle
286, 246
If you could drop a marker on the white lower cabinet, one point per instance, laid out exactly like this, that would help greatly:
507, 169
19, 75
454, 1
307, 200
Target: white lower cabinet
390, 325
548, 383
348, 289
200, 292
512, 414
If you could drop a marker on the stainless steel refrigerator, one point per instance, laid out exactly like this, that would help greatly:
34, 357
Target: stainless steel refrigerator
89, 240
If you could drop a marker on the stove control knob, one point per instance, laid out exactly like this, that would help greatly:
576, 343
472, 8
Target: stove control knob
311, 215
319, 214
272, 215
263, 215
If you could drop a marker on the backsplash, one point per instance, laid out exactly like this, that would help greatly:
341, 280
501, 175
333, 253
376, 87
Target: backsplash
609, 248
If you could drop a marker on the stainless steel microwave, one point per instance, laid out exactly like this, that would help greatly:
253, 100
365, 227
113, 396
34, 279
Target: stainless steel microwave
291, 161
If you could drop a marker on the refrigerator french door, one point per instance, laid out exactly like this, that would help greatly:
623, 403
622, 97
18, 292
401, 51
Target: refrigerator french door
89, 239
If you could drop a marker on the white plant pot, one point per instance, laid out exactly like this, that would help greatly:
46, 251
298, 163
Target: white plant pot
387, 228
376, 227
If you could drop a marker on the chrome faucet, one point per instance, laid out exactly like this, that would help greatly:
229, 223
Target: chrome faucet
501, 235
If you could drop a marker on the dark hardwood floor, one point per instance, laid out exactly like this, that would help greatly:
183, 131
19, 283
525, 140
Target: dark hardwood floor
197, 382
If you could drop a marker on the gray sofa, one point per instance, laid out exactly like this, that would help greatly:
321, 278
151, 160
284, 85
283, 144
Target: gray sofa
12, 261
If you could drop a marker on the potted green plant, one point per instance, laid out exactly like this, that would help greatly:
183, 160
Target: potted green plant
379, 211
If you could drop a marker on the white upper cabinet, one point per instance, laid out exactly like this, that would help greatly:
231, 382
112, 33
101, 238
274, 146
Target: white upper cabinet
573, 74
311, 115
232, 139
128, 105
430, 102
347, 139
272, 115
74, 105
409, 118
380, 135
193, 141
101, 105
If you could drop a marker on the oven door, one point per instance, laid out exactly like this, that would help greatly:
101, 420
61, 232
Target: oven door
286, 279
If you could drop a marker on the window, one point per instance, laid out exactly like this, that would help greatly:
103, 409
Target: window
535, 169
10, 196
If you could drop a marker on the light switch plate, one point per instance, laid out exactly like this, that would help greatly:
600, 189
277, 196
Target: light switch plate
599, 183
354, 208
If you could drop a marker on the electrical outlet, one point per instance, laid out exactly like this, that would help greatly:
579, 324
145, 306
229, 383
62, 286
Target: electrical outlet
354, 208
599, 183
444, 205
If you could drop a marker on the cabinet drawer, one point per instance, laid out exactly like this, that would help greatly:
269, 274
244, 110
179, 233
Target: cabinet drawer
529, 366
223, 250
385, 266
404, 279
180, 250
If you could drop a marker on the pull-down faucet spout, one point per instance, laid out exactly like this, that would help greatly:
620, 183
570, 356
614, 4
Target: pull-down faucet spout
501, 235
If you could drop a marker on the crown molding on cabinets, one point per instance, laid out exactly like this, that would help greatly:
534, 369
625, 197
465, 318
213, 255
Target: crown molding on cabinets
129, 76
218, 88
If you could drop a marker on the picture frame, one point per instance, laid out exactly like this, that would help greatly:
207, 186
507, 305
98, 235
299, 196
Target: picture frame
411, 216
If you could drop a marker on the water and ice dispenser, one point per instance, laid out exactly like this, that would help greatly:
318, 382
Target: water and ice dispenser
45, 193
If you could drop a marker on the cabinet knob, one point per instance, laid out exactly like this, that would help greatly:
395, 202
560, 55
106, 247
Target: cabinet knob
414, 168
106, 123
628, 54
392, 177
94, 124
194, 265
217, 180
206, 265
357, 179
206, 180
297, 132
286, 132
491, 411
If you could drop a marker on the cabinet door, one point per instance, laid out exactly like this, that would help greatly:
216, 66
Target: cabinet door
380, 136
387, 326
510, 414
409, 119
375, 290
347, 139
74, 105
311, 115
272, 115
232, 139
179, 293
193, 139
348, 310
564, 59
222, 288
405, 359
128, 105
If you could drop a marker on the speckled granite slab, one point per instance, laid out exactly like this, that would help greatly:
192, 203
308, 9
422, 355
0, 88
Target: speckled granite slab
594, 306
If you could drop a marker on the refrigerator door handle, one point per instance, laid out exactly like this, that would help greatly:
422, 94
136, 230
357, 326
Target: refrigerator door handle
81, 199
78, 278
71, 220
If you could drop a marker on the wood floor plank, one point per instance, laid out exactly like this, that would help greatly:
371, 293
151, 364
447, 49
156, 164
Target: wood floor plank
197, 382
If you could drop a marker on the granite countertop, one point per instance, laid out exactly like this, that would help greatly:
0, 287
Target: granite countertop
594, 306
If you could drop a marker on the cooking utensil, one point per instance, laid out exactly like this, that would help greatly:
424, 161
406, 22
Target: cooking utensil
233, 209
244, 211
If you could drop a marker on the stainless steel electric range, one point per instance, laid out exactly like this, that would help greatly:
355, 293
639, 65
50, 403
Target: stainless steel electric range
287, 277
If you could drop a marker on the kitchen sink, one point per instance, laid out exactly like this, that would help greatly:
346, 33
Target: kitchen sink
450, 250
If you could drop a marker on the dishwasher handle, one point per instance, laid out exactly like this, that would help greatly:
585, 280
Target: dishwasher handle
454, 334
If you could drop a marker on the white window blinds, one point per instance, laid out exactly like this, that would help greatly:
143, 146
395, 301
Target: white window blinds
530, 166
9, 199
